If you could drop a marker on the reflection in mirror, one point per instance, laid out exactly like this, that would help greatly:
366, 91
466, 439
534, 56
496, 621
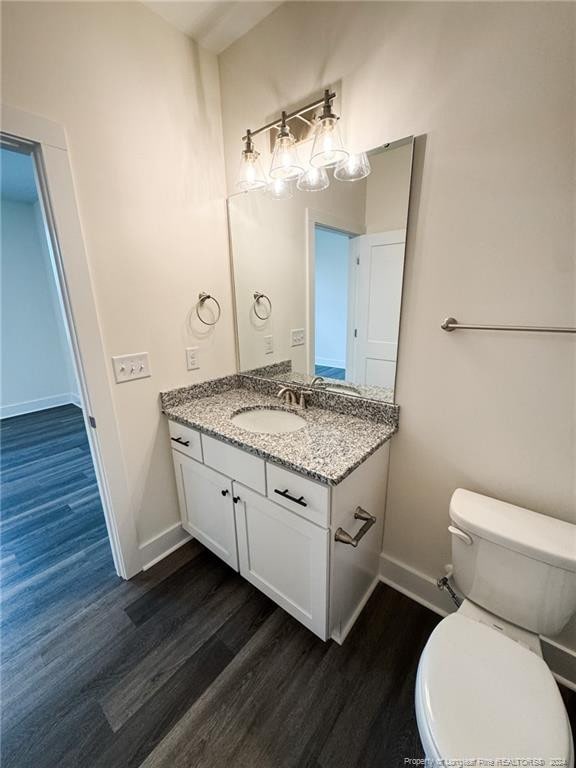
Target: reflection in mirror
318, 278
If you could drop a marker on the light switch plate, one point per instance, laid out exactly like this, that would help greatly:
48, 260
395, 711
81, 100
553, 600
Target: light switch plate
192, 362
130, 367
297, 337
268, 345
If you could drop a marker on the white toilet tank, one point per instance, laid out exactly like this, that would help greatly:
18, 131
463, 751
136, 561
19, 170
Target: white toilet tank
518, 564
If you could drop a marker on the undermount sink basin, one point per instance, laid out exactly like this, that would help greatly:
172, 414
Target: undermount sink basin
272, 421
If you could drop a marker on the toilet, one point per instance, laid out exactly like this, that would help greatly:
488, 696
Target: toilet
484, 694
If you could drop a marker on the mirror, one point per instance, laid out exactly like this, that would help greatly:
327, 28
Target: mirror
318, 278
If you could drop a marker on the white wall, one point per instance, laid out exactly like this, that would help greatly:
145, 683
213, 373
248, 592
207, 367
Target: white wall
331, 303
490, 88
36, 360
269, 243
141, 106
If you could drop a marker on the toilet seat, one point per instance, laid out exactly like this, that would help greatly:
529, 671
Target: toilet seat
482, 696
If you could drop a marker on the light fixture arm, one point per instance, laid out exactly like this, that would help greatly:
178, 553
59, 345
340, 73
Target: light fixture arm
325, 102
327, 105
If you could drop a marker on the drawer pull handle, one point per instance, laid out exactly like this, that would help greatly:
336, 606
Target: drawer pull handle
291, 498
180, 441
345, 538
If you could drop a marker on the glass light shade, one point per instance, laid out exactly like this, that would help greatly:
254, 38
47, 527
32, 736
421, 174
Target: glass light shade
251, 176
285, 161
280, 189
328, 148
353, 168
313, 180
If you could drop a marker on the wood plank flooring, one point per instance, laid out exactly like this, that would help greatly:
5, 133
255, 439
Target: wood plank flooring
330, 373
189, 665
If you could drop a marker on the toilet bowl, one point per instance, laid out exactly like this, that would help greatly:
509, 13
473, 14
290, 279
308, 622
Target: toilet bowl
484, 694
485, 699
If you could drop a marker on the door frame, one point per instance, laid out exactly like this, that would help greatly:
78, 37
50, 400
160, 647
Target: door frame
46, 142
326, 220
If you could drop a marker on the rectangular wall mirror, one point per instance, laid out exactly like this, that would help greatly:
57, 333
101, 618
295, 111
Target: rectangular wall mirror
318, 278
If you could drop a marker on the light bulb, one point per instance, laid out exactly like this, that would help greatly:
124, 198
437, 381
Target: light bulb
353, 168
285, 161
328, 148
280, 189
251, 176
314, 180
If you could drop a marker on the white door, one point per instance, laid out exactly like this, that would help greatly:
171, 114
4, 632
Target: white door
207, 507
285, 556
376, 317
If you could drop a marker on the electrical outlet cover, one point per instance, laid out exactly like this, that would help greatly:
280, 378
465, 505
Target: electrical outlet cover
268, 345
297, 337
192, 362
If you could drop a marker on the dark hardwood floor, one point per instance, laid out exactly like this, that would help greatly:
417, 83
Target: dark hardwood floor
188, 664
330, 373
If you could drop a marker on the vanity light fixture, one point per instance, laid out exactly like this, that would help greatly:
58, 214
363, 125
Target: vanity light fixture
328, 148
353, 168
285, 161
251, 175
313, 180
327, 151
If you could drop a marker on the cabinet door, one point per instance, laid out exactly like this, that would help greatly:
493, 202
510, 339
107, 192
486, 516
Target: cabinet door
285, 556
206, 507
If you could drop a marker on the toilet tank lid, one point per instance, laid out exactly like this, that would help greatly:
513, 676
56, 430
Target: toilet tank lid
530, 533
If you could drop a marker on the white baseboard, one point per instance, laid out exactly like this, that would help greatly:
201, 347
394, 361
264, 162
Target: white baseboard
359, 608
41, 404
159, 547
422, 588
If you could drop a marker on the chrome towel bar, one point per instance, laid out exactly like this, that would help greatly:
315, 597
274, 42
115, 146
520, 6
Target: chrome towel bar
451, 324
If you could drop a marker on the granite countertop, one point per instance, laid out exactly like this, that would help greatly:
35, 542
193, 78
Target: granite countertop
331, 446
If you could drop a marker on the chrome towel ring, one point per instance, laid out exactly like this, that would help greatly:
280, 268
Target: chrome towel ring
261, 297
202, 298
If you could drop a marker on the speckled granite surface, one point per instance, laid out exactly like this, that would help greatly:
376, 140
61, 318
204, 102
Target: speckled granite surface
327, 449
282, 373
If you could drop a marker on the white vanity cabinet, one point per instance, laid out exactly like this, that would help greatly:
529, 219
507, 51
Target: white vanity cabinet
285, 556
280, 529
206, 506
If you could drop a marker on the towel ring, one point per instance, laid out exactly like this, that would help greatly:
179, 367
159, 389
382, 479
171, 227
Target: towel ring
202, 297
258, 297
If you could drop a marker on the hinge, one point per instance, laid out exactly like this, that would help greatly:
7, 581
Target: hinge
355, 333
358, 260
92, 421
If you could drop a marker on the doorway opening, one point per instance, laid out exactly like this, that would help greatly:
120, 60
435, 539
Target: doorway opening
331, 285
51, 512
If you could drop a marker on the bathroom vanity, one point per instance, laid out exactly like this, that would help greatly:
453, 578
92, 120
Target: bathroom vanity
292, 498
298, 513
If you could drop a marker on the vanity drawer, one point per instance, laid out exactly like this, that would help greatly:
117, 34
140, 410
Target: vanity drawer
307, 498
186, 440
235, 463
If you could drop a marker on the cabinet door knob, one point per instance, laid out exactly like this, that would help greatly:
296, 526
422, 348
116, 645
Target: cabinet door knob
225, 492
236, 499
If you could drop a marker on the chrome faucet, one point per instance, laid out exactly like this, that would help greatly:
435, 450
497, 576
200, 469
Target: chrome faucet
317, 380
289, 397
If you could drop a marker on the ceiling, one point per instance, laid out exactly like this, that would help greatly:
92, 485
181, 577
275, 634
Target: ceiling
17, 177
215, 24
